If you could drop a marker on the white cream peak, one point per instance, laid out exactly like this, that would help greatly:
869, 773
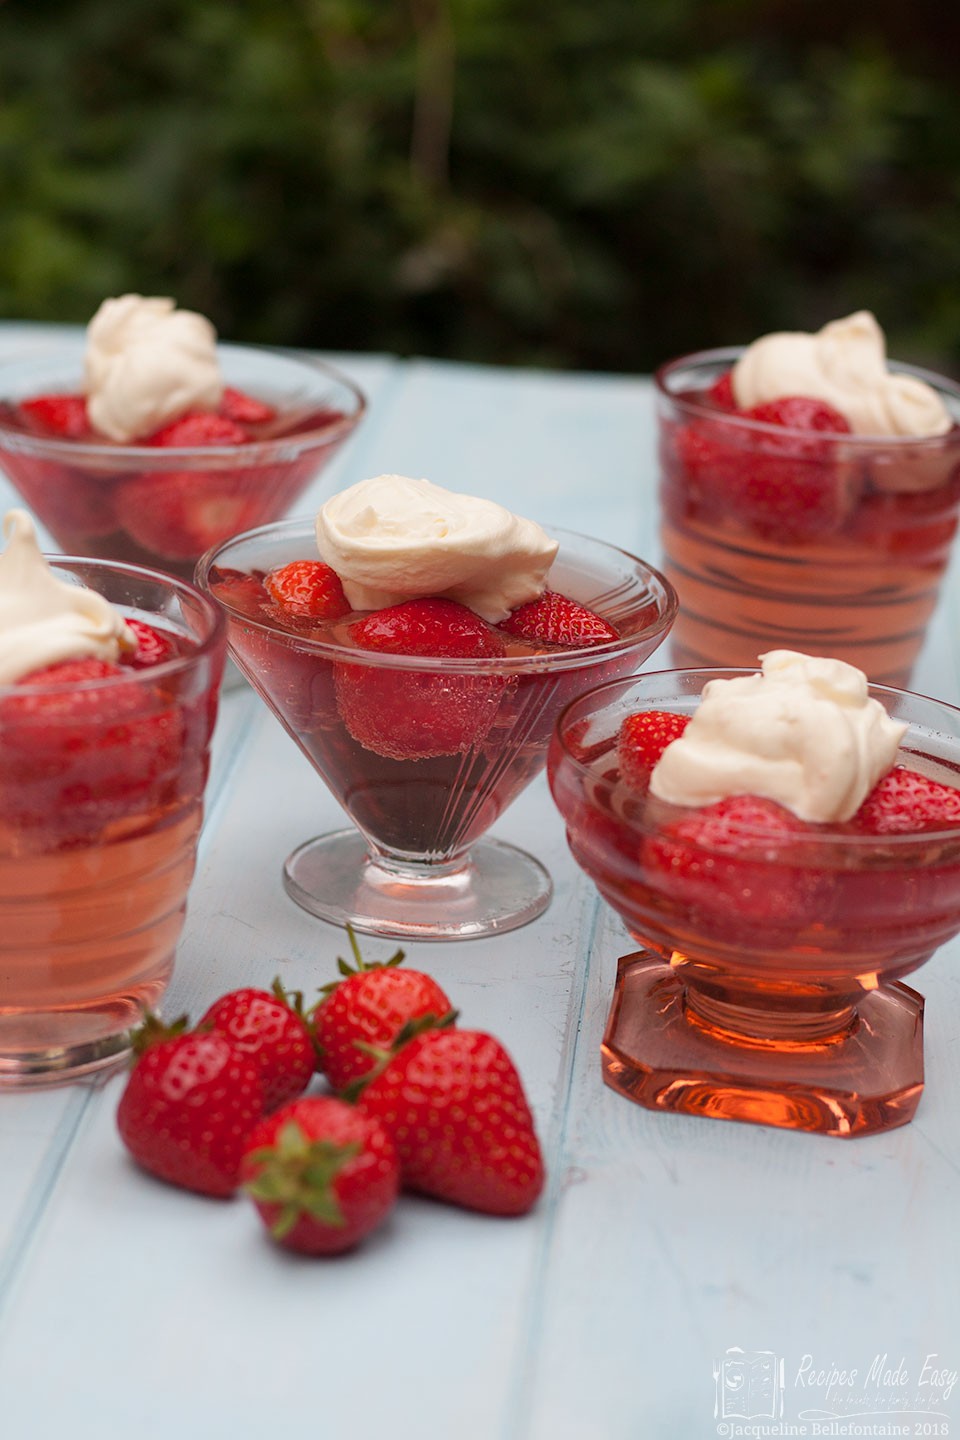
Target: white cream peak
147, 363
392, 539
804, 731
844, 364
44, 620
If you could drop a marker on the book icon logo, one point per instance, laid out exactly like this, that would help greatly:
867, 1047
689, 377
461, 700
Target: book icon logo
748, 1385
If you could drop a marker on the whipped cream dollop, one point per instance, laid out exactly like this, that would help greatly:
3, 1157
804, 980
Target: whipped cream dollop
392, 539
147, 363
844, 364
804, 731
44, 620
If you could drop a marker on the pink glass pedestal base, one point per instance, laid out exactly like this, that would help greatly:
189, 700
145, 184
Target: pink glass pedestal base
661, 1051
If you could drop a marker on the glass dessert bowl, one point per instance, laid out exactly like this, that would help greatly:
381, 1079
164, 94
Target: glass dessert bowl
102, 774
425, 752
162, 501
769, 983
813, 538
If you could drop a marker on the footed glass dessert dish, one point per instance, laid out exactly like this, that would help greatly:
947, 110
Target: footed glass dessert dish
768, 986
425, 752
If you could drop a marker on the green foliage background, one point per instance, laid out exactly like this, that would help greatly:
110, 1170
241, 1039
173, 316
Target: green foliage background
579, 183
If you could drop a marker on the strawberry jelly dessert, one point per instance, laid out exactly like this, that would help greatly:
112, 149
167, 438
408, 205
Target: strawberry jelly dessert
108, 685
809, 497
149, 442
785, 846
419, 657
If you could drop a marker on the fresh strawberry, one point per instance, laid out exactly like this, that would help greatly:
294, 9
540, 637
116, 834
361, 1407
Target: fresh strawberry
78, 753
322, 1174
721, 392
784, 487
308, 588
188, 1108
410, 714
63, 416
800, 412
641, 741
270, 1027
244, 409
198, 428
179, 514
733, 860
553, 619
905, 801
153, 646
370, 1005
456, 1108
240, 590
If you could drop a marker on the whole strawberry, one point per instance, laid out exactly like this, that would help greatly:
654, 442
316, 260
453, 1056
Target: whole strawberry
189, 1105
321, 1174
270, 1027
370, 1005
455, 1106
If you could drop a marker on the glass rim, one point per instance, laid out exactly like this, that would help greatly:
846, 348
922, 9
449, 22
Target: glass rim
822, 833
661, 592
727, 355
175, 665
116, 455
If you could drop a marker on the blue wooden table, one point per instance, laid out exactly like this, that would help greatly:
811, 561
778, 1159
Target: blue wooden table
680, 1278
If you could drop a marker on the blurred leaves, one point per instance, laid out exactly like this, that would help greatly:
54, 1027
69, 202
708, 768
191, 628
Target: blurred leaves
595, 185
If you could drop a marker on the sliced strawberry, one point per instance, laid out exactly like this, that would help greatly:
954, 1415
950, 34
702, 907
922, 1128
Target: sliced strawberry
198, 427
244, 409
721, 392
64, 416
178, 515
553, 619
240, 590
407, 714
308, 588
730, 861
642, 740
905, 801
153, 646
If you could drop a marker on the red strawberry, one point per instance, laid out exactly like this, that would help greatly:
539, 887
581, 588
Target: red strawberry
179, 514
243, 409
721, 392
188, 1107
732, 859
553, 619
270, 1029
322, 1175
371, 1004
64, 416
905, 801
308, 588
240, 590
409, 714
77, 754
153, 646
198, 427
642, 740
455, 1106
800, 412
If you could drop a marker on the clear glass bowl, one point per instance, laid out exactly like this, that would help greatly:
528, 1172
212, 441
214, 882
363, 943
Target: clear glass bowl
101, 795
162, 507
790, 539
425, 754
768, 986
